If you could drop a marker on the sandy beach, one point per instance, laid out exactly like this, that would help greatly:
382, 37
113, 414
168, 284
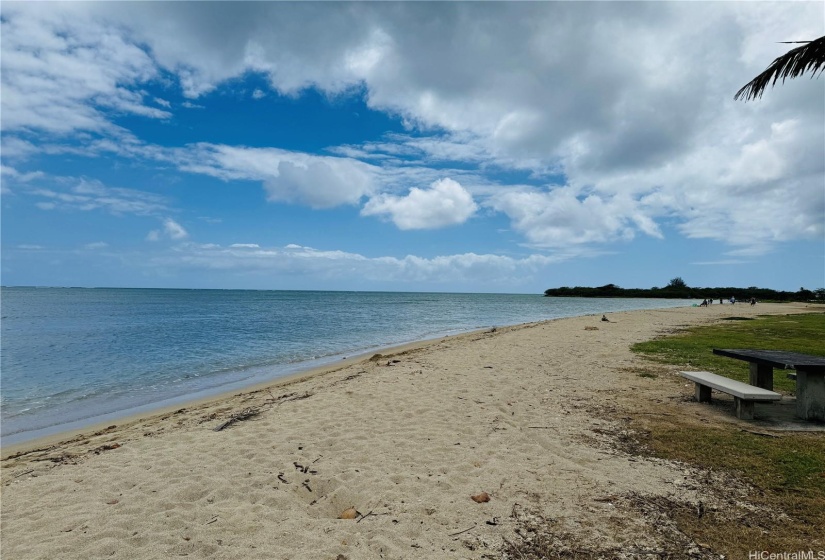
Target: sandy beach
524, 418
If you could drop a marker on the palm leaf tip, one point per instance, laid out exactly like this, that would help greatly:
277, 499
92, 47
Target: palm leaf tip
810, 57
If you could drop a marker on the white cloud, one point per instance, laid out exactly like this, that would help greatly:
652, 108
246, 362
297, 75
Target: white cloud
171, 230
13, 175
720, 262
72, 193
445, 203
293, 177
16, 148
296, 260
320, 182
258, 94
96, 245
174, 230
65, 72
562, 217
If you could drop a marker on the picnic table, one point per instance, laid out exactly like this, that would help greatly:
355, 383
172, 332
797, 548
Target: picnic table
810, 375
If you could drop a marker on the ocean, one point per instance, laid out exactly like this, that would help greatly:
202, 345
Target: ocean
75, 356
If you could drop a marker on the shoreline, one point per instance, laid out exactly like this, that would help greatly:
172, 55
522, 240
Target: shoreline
99, 422
118, 419
525, 418
126, 418
22, 440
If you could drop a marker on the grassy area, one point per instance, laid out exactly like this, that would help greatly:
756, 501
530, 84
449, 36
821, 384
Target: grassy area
788, 470
693, 348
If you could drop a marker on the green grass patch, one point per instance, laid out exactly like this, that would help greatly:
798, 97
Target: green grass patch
793, 463
694, 346
788, 469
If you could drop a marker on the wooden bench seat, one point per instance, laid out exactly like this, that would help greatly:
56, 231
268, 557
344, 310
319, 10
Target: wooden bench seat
744, 395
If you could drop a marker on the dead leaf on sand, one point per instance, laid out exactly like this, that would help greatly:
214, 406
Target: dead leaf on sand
481, 498
349, 513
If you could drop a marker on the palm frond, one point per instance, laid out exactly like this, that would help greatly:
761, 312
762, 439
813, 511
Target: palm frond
810, 57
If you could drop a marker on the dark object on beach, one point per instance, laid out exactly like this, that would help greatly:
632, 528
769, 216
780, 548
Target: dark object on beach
105, 447
605, 319
481, 498
238, 417
349, 513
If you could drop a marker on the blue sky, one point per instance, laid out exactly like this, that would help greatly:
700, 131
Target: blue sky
492, 147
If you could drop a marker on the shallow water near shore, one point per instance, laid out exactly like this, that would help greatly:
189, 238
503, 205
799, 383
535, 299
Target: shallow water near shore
75, 356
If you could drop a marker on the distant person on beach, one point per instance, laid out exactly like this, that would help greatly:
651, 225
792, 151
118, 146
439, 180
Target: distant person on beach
704, 303
753, 301
604, 318
732, 299
720, 301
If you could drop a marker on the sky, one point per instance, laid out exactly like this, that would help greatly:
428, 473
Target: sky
416, 146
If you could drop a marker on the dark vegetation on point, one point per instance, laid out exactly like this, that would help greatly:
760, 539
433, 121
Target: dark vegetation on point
678, 289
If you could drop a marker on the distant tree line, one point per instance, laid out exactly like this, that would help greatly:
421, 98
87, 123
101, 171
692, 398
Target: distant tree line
678, 289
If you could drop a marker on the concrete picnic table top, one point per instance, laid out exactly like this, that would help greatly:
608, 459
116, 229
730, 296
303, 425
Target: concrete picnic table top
810, 375
776, 358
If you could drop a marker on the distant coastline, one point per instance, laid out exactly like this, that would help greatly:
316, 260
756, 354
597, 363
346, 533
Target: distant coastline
686, 292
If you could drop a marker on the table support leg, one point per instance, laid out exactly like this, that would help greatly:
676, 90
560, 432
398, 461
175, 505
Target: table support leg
761, 376
702, 393
810, 395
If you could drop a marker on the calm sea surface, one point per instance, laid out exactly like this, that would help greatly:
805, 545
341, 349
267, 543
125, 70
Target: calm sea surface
71, 357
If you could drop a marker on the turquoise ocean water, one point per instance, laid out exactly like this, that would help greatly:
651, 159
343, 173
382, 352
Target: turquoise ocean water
73, 356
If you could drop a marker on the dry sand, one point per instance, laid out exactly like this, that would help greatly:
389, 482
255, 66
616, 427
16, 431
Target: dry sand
528, 414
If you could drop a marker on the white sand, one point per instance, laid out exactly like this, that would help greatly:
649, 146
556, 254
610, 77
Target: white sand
511, 413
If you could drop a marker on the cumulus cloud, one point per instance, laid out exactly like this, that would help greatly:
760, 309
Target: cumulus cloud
445, 203
293, 177
559, 217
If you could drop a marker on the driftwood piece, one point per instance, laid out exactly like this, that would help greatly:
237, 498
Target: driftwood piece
239, 416
465, 530
252, 411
